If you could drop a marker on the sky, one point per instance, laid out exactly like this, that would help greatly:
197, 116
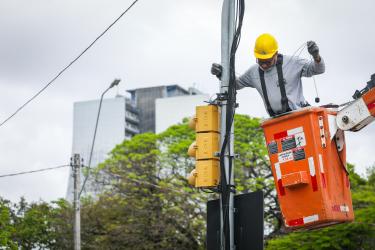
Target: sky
157, 43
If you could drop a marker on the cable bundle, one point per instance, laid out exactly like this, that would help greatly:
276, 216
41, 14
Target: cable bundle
225, 186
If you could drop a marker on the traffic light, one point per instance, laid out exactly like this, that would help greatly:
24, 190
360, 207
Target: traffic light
207, 165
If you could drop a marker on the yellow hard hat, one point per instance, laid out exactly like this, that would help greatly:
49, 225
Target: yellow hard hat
265, 46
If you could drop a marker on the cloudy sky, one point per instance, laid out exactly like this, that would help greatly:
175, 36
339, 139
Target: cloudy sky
156, 43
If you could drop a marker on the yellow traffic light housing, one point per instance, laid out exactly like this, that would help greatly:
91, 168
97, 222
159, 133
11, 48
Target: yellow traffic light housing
208, 173
192, 177
206, 145
207, 165
207, 119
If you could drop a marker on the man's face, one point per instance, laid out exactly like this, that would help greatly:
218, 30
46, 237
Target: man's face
266, 64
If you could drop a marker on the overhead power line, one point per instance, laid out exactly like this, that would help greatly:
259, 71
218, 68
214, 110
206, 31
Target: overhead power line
66, 67
33, 171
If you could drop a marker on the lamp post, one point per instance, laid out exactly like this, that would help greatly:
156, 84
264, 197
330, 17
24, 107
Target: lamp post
114, 83
77, 222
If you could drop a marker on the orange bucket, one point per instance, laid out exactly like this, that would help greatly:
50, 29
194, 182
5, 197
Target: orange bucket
308, 158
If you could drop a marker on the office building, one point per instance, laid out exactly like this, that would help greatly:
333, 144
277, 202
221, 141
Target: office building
144, 99
118, 121
147, 110
170, 111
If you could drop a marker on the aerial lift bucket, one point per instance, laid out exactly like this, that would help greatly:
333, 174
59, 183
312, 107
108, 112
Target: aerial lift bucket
308, 158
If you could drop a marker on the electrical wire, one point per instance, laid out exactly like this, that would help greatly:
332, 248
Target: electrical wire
66, 67
33, 171
315, 85
339, 155
226, 188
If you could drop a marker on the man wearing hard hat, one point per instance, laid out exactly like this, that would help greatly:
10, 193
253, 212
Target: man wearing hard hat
277, 77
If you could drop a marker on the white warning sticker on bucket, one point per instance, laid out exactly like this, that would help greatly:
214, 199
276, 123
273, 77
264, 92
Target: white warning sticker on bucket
286, 156
310, 219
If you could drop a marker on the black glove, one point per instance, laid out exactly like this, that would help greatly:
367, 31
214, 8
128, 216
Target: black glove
217, 70
313, 49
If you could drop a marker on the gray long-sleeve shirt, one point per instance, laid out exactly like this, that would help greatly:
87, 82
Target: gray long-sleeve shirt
293, 69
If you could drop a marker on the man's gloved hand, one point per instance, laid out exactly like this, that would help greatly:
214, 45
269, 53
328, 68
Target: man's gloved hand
313, 49
216, 70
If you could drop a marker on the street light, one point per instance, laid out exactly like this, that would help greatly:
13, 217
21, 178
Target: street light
114, 83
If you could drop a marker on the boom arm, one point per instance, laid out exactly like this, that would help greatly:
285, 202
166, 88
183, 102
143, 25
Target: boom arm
361, 112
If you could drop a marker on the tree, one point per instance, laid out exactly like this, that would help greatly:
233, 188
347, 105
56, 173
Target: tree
150, 205
252, 168
6, 227
32, 226
147, 176
36, 225
61, 225
146, 202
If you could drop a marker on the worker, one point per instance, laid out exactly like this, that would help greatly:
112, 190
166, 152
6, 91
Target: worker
277, 77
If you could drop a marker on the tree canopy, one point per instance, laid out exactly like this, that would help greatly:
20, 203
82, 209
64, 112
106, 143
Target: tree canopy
146, 203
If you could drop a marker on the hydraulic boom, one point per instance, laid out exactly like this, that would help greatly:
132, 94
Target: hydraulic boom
361, 111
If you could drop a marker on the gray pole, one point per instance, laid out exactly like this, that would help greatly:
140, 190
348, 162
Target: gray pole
227, 34
76, 164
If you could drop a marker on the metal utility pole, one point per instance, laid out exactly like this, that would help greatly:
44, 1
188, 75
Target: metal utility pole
227, 35
76, 165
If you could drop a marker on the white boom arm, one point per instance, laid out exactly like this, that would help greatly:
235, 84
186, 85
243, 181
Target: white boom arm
361, 112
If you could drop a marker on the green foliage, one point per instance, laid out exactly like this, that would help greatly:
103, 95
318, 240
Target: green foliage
6, 227
146, 202
33, 226
252, 169
32, 229
147, 176
61, 217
